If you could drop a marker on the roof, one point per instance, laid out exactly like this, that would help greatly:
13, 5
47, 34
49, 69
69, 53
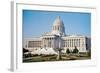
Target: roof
58, 22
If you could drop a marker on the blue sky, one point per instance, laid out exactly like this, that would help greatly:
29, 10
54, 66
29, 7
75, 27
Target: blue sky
35, 23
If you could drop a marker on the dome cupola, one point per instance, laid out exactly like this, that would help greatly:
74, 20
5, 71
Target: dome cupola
58, 27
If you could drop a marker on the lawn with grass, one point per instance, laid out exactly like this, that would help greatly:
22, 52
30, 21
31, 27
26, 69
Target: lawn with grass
64, 57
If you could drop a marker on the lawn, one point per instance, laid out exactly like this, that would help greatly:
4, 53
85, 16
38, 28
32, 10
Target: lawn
64, 57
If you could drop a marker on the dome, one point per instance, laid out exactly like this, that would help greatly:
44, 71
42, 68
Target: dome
58, 27
58, 22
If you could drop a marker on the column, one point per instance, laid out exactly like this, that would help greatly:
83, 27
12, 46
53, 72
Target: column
68, 43
79, 42
43, 42
54, 42
72, 42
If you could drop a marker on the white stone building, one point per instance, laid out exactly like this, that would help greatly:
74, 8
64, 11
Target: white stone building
58, 39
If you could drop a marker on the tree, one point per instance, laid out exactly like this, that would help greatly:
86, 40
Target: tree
68, 51
25, 50
75, 50
89, 53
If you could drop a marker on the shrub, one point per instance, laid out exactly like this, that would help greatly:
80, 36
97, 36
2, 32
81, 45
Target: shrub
68, 51
75, 50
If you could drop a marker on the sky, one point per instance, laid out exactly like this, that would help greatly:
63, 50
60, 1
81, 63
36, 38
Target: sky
35, 23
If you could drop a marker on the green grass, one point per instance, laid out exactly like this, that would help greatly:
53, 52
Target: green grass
64, 57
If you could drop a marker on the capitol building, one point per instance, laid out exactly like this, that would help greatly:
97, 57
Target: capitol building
57, 38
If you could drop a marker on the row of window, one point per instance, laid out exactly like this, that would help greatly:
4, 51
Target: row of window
72, 43
67, 43
34, 44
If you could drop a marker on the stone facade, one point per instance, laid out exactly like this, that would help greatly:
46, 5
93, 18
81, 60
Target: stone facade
58, 39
